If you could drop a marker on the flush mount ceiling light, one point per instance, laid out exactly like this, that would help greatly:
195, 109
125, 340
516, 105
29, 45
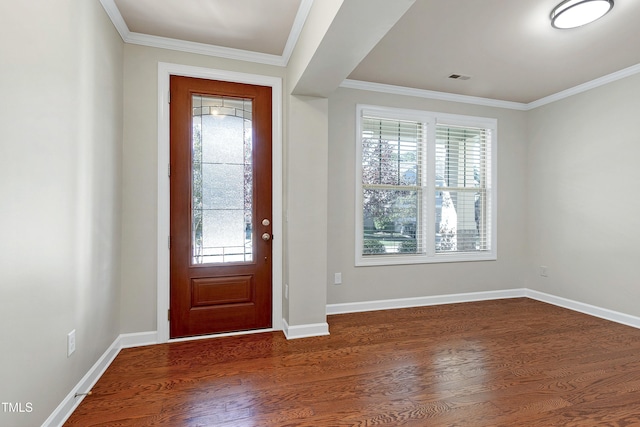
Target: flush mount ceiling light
576, 13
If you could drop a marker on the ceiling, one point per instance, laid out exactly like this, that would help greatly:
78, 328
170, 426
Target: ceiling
507, 48
258, 26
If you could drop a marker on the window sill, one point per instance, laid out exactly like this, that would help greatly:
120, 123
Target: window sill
373, 260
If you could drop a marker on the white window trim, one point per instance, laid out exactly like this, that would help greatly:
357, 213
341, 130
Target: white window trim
431, 119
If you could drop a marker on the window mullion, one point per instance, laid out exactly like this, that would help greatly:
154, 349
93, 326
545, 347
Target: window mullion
429, 183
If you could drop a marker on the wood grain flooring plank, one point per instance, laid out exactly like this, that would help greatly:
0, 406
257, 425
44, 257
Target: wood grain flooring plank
513, 362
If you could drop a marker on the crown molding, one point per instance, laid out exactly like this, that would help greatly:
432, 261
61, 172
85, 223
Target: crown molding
487, 102
601, 81
204, 49
114, 14
207, 49
430, 94
296, 29
282, 61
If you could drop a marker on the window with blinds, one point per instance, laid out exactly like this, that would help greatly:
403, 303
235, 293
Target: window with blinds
392, 185
424, 187
461, 162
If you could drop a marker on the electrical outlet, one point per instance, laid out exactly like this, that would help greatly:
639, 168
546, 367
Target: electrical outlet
286, 291
71, 342
544, 271
337, 279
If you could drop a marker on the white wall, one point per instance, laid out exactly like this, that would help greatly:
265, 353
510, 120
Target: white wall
583, 208
60, 159
406, 281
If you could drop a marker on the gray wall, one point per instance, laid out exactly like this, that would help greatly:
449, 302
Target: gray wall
306, 212
60, 165
406, 281
583, 207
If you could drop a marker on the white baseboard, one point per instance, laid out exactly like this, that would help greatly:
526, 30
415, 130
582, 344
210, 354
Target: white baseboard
71, 402
304, 331
138, 339
592, 310
390, 304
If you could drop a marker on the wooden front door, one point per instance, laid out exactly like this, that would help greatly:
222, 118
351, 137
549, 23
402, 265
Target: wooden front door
221, 264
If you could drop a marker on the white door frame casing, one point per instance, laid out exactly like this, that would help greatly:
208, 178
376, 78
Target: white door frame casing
165, 71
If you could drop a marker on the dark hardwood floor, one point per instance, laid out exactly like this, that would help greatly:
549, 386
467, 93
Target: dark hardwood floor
515, 362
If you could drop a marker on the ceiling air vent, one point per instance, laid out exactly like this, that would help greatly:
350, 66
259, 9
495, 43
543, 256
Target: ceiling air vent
459, 77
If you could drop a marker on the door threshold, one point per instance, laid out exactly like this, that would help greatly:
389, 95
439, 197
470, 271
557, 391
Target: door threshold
222, 335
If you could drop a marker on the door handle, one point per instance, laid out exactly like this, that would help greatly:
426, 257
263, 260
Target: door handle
266, 236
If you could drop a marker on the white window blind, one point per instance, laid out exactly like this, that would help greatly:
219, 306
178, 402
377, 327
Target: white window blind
393, 185
425, 187
462, 180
